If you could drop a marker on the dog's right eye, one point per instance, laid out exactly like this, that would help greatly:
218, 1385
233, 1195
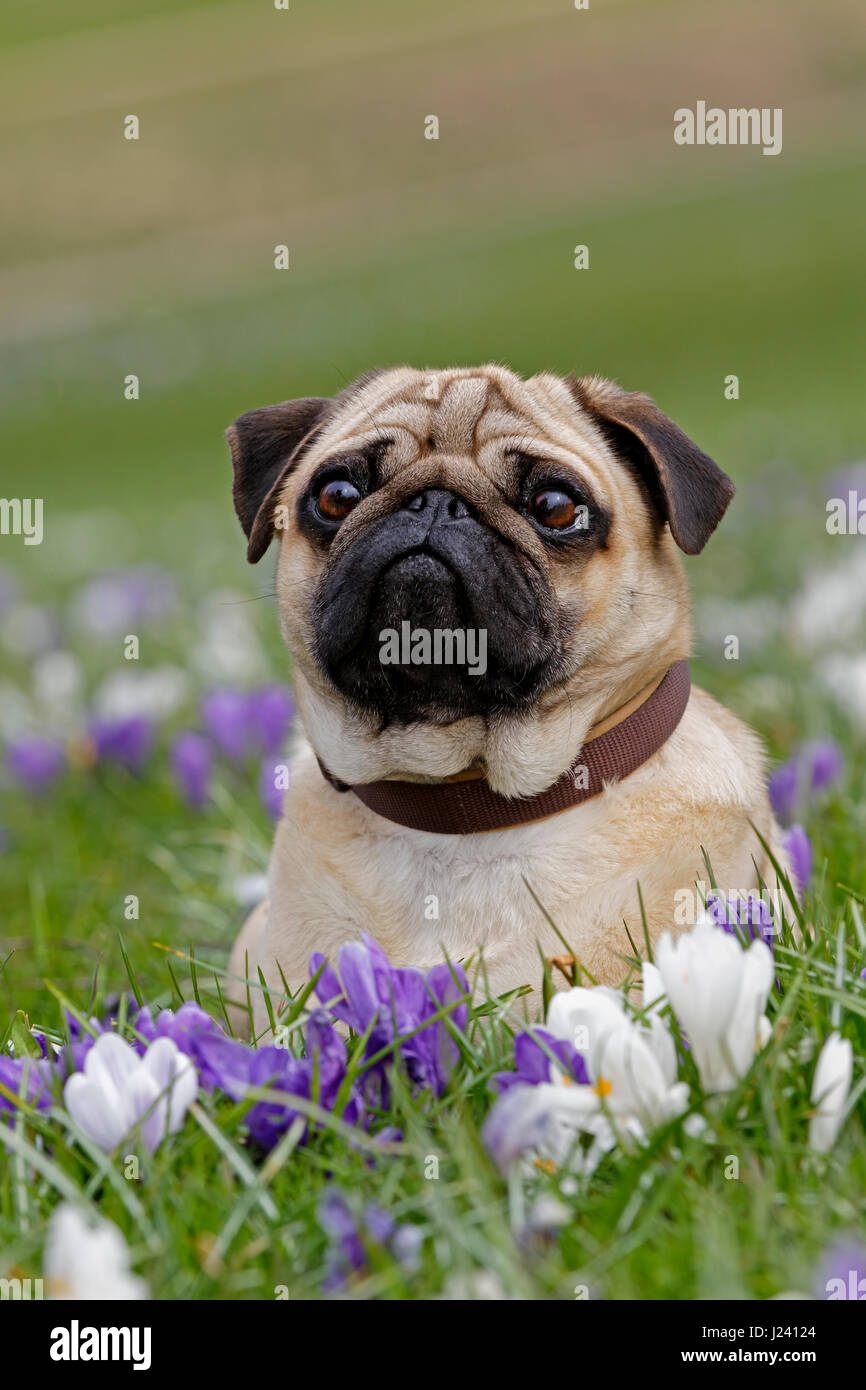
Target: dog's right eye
552, 509
336, 499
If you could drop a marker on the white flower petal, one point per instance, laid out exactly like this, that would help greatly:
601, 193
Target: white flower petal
174, 1075
718, 992
585, 1017
94, 1112
701, 974
830, 1087
638, 1084
87, 1259
544, 1118
654, 995
658, 1038
111, 1062
757, 980
150, 1107
118, 1090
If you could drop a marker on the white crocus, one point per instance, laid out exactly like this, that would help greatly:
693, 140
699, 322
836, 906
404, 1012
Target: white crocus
654, 996
118, 1090
88, 1259
633, 1081
830, 1087
633, 1087
229, 648
658, 1035
585, 1018
718, 991
150, 694
632, 1068
750, 1028
58, 685
557, 1124
844, 675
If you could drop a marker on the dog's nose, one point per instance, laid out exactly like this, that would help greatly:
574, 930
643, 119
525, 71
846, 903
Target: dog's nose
439, 505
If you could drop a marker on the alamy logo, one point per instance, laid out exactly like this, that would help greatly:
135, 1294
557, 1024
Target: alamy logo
737, 126
854, 1289
441, 646
22, 516
76, 1343
847, 516
21, 1289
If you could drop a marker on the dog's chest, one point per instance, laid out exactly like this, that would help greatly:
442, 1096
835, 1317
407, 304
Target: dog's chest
419, 893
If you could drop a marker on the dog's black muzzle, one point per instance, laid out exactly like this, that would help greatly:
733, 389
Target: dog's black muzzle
433, 567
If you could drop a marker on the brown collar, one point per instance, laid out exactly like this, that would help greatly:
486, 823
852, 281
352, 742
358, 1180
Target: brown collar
472, 807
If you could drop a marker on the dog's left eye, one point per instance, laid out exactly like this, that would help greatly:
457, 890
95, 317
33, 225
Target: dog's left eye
552, 508
337, 498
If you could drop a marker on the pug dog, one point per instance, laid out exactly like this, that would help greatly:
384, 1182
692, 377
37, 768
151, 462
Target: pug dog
548, 515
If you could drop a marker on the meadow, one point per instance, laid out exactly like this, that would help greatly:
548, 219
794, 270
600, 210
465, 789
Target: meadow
458, 252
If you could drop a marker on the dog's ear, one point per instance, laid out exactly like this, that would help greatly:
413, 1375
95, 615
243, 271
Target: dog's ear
688, 490
265, 444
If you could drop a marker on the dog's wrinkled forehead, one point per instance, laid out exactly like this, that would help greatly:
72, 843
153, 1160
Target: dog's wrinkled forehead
486, 414
487, 421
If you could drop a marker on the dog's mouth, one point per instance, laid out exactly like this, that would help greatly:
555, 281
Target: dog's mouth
433, 617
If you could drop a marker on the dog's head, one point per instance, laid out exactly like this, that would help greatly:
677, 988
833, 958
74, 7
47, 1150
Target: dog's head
532, 524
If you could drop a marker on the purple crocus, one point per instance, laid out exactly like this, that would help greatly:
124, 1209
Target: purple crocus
271, 793
356, 996
350, 1238
432, 1053
227, 718
533, 1053
367, 992
77, 1030
748, 917
245, 723
271, 711
236, 1068
799, 850
28, 1078
277, 1069
346, 1253
35, 763
812, 768
225, 1061
842, 1272
126, 742
185, 1028
317, 1077
326, 1057
191, 762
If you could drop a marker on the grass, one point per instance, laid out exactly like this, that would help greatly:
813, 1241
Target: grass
662, 1223
401, 252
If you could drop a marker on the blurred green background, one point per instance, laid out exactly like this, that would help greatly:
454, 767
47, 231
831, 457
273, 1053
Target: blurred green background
306, 127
